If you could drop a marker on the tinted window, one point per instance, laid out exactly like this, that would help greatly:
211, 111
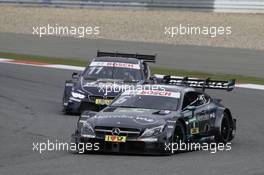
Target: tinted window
147, 102
127, 74
194, 99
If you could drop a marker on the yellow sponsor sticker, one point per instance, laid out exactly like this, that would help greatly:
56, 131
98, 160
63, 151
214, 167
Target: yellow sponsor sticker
113, 138
194, 130
103, 101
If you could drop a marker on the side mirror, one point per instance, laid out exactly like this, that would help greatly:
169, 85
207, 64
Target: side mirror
75, 75
148, 82
152, 79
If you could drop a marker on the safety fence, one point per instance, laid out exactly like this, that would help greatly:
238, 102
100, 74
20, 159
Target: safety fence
216, 5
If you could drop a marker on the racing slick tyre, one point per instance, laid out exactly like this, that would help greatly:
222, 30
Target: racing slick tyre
65, 109
225, 133
179, 135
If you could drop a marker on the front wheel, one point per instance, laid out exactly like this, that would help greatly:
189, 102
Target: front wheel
65, 109
179, 135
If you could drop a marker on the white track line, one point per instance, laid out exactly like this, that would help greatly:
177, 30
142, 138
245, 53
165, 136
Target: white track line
251, 86
67, 67
77, 68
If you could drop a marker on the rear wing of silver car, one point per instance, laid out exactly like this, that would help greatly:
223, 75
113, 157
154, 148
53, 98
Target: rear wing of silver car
200, 83
145, 58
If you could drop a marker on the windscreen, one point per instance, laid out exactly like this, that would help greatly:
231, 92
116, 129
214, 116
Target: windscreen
113, 70
160, 100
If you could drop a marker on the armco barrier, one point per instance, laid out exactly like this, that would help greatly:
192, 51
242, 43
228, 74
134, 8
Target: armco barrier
217, 5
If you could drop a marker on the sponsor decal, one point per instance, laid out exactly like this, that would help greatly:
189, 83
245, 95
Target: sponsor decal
194, 130
113, 116
193, 119
103, 101
115, 64
132, 110
114, 138
144, 120
193, 83
203, 117
154, 93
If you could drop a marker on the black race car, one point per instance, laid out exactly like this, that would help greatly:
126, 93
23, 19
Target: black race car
150, 119
106, 76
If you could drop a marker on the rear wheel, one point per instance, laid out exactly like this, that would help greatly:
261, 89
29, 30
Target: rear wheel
225, 133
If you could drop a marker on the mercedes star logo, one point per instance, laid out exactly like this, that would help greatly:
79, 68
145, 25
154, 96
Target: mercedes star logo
116, 131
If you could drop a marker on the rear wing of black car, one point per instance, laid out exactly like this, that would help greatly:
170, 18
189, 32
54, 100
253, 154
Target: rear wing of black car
145, 58
200, 83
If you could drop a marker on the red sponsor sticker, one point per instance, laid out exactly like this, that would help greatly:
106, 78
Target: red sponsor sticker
115, 64
154, 93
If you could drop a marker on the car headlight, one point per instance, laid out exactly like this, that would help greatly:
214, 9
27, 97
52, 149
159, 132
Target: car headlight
87, 130
78, 95
150, 132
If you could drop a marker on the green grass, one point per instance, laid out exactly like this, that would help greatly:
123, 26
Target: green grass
50, 60
154, 69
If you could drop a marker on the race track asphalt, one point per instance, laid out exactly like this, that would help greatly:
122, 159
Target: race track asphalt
184, 57
30, 111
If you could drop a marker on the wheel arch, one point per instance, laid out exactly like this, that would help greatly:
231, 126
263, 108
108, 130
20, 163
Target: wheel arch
230, 117
219, 118
67, 88
181, 120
